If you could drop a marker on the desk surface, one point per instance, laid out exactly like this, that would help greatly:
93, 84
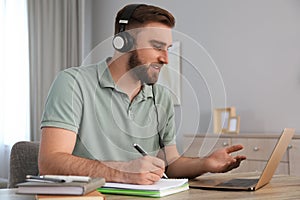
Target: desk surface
280, 188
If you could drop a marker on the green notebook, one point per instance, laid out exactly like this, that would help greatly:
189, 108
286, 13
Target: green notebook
161, 188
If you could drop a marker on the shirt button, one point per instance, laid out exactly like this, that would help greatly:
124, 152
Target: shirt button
131, 115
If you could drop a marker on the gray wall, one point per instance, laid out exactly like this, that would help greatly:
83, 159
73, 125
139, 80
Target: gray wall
255, 46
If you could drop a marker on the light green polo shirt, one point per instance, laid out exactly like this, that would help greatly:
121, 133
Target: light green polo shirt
87, 101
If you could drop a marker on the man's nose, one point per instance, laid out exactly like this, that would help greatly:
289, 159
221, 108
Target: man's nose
164, 57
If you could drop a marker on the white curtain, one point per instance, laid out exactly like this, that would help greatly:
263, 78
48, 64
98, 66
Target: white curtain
14, 78
56, 42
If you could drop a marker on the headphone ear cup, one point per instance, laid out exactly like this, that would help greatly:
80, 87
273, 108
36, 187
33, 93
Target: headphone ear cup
123, 42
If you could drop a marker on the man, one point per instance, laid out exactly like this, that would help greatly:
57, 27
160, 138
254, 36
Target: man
94, 114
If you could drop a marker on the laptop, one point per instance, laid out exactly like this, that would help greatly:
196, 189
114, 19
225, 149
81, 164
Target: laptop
249, 183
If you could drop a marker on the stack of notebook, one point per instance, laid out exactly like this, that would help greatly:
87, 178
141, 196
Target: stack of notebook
161, 188
46, 190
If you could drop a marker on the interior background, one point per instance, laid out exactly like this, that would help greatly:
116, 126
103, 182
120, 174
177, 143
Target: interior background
255, 45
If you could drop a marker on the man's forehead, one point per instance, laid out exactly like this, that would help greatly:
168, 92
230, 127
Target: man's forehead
155, 33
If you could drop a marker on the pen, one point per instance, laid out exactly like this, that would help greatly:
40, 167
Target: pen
43, 179
144, 153
70, 178
59, 178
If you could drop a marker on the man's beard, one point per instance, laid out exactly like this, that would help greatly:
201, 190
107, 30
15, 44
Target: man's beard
140, 70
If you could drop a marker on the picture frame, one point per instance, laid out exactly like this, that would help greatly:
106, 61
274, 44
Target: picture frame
221, 119
233, 125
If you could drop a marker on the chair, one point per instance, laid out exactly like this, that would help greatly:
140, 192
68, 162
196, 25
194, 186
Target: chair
23, 161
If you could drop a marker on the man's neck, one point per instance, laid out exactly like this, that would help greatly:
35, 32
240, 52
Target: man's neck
123, 78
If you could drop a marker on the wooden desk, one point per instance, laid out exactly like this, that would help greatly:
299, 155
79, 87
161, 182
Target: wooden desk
280, 188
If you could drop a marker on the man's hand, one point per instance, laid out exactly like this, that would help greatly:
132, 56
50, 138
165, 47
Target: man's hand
145, 170
221, 160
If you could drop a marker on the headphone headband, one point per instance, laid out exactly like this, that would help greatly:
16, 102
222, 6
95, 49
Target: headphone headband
123, 41
126, 15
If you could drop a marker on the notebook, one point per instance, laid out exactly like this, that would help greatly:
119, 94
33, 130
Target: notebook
246, 183
66, 188
161, 188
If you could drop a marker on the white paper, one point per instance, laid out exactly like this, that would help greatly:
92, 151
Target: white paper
162, 184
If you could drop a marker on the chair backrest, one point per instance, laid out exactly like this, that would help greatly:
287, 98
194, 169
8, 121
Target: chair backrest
23, 161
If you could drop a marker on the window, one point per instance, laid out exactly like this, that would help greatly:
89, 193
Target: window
14, 72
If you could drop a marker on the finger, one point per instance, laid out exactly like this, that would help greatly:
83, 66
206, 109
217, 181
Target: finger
154, 165
234, 148
240, 158
146, 181
238, 162
146, 178
159, 163
232, 165
152, 177
159, 172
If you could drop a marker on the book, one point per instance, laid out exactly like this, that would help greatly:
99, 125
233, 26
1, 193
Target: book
65, 188
161, 188
95, 195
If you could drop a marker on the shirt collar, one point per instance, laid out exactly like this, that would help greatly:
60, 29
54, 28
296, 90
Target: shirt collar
106, 81
104, 76
147, 91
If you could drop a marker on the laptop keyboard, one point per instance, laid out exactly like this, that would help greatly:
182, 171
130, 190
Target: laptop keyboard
239, 182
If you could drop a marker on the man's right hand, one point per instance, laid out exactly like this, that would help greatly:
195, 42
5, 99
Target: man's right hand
145, 170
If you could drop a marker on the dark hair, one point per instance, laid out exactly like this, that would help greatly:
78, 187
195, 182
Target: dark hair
144, 14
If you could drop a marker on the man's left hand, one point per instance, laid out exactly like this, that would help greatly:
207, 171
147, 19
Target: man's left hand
221, 160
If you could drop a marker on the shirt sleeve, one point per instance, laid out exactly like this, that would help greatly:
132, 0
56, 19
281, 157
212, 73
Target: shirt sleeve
63, 107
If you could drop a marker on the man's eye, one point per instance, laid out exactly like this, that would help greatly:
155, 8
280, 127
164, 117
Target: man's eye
158, 47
